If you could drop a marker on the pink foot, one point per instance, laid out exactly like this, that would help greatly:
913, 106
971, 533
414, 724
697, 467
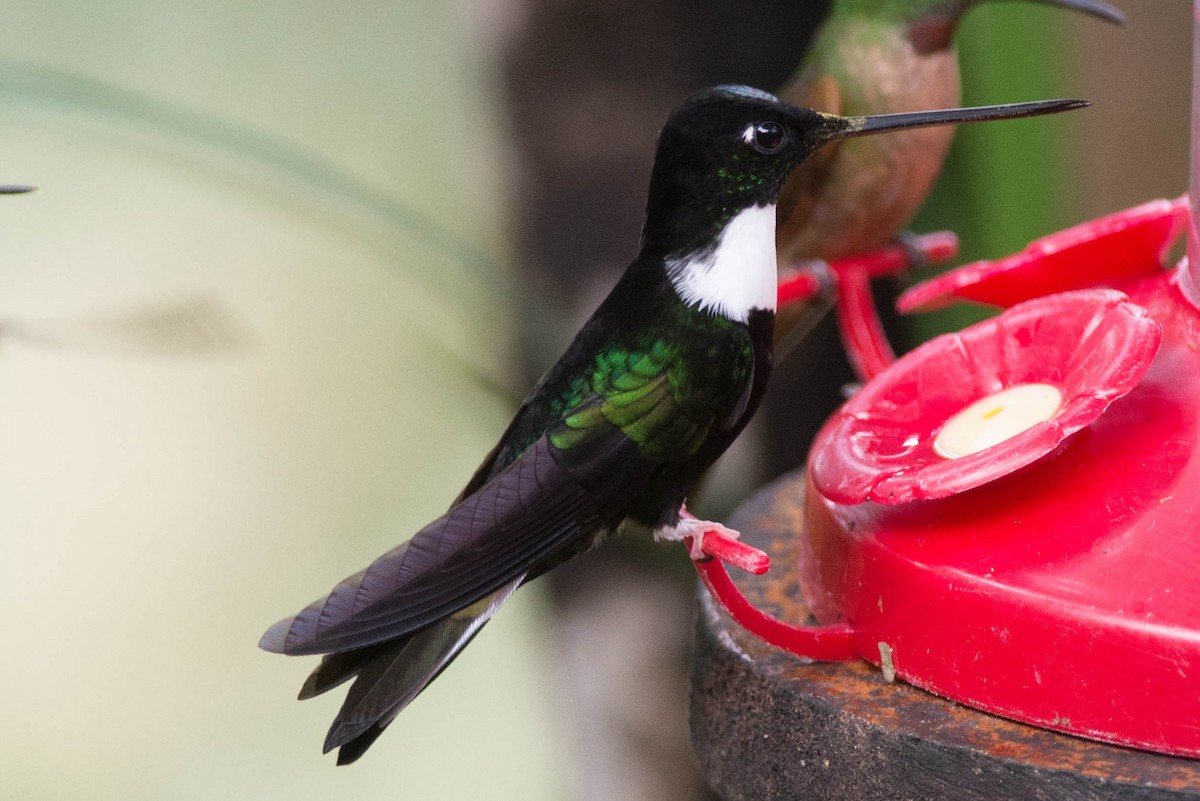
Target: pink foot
694, 530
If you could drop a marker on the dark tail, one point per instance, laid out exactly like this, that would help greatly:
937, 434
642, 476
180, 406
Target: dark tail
388, 676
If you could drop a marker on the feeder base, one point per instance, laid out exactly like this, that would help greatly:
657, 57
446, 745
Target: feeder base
766, 725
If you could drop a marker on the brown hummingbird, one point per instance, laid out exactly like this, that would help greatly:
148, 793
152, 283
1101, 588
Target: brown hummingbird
855, 196
876, 57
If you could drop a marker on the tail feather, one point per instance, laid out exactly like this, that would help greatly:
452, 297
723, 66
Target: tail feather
351, 751
388, 676
340, 667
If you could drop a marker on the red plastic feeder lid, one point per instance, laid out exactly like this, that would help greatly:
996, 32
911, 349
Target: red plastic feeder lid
967, 408
1110, 251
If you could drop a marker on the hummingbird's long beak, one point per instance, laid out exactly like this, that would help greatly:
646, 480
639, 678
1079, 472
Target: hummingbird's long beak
846, 127
15, 189
1094, 7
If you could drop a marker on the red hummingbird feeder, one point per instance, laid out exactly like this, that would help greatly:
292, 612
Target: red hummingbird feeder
1009, 515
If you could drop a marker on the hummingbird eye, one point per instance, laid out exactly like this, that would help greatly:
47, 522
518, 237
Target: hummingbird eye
766, 137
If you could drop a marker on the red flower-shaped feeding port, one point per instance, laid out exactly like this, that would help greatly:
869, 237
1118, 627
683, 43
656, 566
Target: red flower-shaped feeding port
1111, 251
970, 407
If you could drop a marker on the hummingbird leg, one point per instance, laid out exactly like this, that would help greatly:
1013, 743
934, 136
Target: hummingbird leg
910, 243
691, 526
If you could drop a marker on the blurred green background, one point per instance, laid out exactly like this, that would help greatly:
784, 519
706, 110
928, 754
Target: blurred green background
1004, 185
333, 203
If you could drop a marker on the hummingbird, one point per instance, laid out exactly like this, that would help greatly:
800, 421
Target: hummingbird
654, 387
876, 57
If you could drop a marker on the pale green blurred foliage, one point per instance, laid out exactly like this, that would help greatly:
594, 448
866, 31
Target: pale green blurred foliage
159, 510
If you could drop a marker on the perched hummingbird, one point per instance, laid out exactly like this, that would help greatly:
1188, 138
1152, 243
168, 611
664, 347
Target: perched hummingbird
652, 390
876, 57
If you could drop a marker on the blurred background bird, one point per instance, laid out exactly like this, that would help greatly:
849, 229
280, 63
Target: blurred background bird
866, 57
876, 57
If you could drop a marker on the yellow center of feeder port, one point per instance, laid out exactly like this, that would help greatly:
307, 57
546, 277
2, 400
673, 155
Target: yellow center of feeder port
1000, 416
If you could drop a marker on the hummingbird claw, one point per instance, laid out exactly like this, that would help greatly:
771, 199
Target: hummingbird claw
913, 249
693, 531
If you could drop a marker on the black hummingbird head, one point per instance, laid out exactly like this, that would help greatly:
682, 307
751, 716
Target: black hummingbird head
731, 148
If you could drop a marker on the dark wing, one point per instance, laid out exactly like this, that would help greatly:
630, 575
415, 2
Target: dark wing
528, 511
546, 505
395, 626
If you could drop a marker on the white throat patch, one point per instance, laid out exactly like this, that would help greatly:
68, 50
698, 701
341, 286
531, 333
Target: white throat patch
739, 274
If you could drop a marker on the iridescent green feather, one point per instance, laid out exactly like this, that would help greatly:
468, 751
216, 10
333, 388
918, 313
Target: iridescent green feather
642, 393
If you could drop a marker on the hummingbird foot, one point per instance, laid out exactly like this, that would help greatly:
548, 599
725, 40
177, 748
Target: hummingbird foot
694, 530
913, 249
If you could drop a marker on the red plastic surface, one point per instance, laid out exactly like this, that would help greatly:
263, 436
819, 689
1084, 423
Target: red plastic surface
934, 248
736, 553
1063, 594
1052, 577
829, 643
800, 286
866, 343
1092, 345
1110, 251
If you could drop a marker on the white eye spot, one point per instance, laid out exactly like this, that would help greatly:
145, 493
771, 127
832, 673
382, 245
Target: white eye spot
748, 134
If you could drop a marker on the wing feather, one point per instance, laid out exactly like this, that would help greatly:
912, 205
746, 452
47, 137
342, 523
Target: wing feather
528, 511
577, 479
